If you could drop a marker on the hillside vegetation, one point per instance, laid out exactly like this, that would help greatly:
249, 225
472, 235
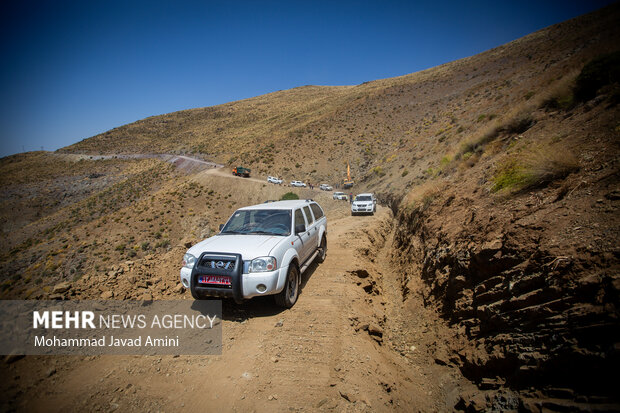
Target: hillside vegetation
501, 171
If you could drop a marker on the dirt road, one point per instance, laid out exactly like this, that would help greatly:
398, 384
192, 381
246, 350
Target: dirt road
341, 348
226, 173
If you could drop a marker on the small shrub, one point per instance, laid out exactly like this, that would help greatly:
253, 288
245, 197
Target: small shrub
534, 168
510, 174
405, 173
445, 161
423, 195
289, 196
432, 172
163, 244
377, 170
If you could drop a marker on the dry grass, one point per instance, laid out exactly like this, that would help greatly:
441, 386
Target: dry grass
533, 168
423, 195
560, 95
516, 121
519, 118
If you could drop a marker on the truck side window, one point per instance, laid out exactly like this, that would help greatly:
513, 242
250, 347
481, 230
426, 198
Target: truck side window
318, 212
308, 215
299, 217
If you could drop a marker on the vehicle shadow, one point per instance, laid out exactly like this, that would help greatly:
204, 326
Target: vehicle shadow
305, 277
253, 308
260, 306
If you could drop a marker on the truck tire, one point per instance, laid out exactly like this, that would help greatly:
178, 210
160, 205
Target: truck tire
323, 250
288, 296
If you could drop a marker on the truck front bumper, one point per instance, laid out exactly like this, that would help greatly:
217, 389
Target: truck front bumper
251, 285
362, 209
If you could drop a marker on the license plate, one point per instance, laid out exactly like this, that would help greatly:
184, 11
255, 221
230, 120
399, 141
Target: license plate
214, 279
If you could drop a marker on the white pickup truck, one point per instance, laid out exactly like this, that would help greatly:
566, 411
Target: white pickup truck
262, 250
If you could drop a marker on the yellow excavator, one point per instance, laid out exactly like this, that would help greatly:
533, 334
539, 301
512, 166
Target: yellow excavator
348, 183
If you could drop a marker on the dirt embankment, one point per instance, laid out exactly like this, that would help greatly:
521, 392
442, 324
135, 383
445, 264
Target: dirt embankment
530, 282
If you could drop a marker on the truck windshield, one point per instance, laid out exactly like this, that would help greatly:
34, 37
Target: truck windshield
363, 198
259, 221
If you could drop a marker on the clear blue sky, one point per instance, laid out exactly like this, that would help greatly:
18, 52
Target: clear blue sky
73, 69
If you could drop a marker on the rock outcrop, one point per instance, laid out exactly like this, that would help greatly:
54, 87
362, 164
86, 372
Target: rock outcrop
532, 318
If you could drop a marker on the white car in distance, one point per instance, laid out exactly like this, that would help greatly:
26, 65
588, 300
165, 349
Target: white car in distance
364, 204
340, 196
298, 183
325, 187
274, 180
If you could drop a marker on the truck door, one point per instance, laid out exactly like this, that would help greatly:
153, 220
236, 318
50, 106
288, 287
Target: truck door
313, 230
303, 236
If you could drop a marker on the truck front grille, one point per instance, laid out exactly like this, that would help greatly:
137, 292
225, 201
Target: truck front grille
227, 263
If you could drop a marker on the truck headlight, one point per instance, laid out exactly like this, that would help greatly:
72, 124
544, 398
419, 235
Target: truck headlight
189, 260
263, 264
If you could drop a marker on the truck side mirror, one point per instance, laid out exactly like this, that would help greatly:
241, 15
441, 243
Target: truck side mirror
300, 228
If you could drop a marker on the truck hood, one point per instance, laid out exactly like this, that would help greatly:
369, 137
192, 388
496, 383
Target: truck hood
249, 246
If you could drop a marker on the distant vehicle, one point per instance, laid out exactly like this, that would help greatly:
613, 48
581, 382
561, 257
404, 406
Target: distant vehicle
340, 195
274, 180
298, 183
364, 204
325, 187
262, 250
241, 171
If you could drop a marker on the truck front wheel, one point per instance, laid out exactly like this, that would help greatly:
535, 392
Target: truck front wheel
288, 296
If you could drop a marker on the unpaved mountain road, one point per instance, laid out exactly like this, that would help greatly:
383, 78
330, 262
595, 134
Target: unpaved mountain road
342, 347
226, 173
187, 163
